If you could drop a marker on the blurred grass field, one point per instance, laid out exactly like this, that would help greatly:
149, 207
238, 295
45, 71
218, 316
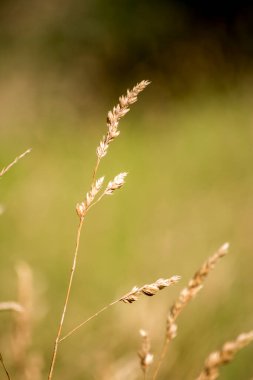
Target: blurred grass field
189, 190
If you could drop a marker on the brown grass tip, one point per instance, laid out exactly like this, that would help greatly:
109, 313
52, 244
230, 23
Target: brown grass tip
218, 358
149, 290
114, 116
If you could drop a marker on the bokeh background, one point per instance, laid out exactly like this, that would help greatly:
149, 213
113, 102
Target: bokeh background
187, 145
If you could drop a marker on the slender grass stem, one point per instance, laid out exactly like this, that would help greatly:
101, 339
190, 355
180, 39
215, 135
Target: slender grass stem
96, 169
87, 320
4, 367
161, 357
66, 300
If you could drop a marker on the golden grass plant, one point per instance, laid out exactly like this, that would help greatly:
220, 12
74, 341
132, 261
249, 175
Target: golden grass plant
185, 296
113, 119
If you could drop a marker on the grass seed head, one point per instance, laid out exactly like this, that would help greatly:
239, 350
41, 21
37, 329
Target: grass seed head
192, 289
148, 290
116, 183
146, 358
217, 359
114, 116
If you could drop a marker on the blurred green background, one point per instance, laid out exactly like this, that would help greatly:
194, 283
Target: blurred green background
187, 145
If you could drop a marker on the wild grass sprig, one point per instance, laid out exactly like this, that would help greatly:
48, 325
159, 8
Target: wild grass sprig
145, 356
113, 118
149, 290
186, 295
82, 208
5, 170
117, 183
225, 355
130, 297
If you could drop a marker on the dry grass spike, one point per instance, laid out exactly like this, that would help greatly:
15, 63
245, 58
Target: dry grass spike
146, 358
217, 359
194, 286
186, 295
83, 207
5, 170
113, 119
149, 290
116, 114
115, 184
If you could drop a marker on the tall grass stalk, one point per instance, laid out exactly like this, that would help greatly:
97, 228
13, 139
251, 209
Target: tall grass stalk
186, 295
113, 119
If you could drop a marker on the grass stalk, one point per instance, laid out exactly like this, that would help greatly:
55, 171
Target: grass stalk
113, 119
66, 299
87, 320
185, 296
